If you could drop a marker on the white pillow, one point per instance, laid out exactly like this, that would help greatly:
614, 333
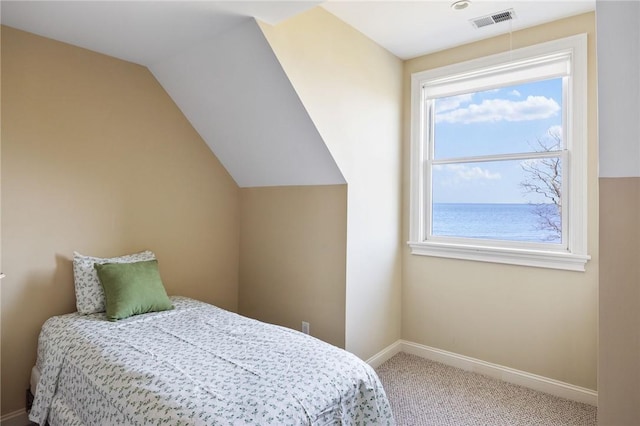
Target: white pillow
89, 292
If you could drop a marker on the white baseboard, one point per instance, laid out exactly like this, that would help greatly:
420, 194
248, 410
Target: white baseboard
16, 418
510, 375
385, 354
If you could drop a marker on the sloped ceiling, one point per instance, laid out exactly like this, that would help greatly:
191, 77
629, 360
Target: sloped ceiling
237, 96
215, 63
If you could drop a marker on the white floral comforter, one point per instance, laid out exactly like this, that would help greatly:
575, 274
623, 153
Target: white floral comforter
198, 365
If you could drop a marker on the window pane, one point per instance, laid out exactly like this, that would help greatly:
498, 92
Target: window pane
513, 119
501, 200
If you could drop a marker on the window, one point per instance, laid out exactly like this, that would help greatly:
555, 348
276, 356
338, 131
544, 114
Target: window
498, 158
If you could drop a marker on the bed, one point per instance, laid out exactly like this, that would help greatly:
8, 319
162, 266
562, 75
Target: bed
197, 364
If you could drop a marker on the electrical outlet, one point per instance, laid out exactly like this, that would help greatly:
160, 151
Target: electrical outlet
305, 327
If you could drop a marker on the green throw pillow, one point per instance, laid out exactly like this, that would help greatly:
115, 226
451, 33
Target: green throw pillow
132, 288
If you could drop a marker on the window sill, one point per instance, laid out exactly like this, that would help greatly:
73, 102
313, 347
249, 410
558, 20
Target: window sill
511, 256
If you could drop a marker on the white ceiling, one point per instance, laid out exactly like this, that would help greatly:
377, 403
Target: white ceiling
414, 28
145, 32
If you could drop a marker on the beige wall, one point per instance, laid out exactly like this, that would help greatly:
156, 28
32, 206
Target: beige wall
0, 222
351, 88
619, 379
97, 158
619, 140
537, 320
293, 243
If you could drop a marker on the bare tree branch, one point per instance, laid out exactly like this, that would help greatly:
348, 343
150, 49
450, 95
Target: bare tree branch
544, 177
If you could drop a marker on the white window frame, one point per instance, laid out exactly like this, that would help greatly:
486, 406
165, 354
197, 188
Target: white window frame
491, 72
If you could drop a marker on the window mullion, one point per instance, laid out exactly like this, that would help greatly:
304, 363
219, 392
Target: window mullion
428, 175
499, 157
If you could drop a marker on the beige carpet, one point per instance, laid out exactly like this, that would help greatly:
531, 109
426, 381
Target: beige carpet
424, 392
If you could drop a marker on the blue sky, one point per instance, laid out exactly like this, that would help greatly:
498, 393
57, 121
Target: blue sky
506, 120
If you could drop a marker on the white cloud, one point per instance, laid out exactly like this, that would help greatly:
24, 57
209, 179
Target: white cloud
452, 102
515, 93
463, 172
493, 110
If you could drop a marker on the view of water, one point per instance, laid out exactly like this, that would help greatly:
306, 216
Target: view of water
513, 222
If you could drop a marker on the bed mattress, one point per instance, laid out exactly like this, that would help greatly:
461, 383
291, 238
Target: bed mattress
197, 365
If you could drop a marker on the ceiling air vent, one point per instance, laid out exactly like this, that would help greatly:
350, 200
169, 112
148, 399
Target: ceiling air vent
494, 18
